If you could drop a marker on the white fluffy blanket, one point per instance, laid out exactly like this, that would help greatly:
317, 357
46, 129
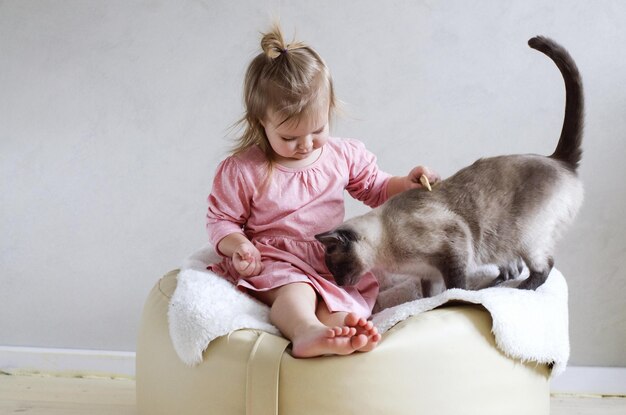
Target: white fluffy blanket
527, 325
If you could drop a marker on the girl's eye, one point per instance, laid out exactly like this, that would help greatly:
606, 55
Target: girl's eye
320, 131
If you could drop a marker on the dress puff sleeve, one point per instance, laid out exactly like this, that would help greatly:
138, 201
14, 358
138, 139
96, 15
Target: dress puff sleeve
229, 202
367, 182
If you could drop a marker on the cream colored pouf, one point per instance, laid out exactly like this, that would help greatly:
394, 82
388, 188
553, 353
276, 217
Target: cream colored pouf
442, 362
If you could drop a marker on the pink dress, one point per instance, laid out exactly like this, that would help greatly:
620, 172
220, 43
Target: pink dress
281, 216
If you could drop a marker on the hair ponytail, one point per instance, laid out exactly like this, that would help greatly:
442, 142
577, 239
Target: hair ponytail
273, 43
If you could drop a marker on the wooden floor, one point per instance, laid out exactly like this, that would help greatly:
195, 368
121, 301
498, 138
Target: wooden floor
48, 395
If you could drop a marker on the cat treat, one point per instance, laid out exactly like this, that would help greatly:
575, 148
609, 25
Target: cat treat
424, 181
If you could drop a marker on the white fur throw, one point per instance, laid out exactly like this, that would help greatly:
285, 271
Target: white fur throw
527, 325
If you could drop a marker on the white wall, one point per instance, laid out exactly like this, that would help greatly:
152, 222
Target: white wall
113, 116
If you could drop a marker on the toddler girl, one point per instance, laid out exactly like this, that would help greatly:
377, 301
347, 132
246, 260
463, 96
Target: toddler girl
283, 184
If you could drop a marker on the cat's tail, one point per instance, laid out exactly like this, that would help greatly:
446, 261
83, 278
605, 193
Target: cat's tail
568, 150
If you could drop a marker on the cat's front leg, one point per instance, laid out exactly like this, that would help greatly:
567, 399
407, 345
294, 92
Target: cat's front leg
453, 268
404, 290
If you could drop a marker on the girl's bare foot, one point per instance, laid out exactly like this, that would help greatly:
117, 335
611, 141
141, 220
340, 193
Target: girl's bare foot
364, 328
322, 340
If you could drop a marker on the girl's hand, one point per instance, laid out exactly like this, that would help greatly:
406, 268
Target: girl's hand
417, 172
399, 184
247, 260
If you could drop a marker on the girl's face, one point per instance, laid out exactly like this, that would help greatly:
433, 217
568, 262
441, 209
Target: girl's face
297, 143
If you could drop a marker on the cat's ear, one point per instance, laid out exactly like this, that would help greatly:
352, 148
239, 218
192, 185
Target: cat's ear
336, 237
329, 239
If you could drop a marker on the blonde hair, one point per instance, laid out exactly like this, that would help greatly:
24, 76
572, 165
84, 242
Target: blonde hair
291, 80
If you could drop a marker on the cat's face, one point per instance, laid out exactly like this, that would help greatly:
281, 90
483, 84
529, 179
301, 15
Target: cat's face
342, 257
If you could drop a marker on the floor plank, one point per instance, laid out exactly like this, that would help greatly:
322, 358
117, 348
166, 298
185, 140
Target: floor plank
49, 395
587, 405
64, 395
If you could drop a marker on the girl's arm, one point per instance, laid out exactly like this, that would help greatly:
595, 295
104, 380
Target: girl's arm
372, 186
228, 210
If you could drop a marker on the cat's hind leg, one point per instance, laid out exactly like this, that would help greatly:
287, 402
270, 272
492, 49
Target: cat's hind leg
539, 270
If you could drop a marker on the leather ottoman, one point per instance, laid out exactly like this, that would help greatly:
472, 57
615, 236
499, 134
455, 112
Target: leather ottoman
442, 362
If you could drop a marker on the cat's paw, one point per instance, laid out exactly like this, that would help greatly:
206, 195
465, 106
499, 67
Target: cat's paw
510, 271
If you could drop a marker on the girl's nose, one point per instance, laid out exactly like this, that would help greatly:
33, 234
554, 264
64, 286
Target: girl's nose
306, 142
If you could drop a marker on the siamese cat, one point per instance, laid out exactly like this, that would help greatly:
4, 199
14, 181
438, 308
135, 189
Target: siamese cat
500, 210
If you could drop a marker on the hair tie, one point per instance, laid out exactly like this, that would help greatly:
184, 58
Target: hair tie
285, 50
